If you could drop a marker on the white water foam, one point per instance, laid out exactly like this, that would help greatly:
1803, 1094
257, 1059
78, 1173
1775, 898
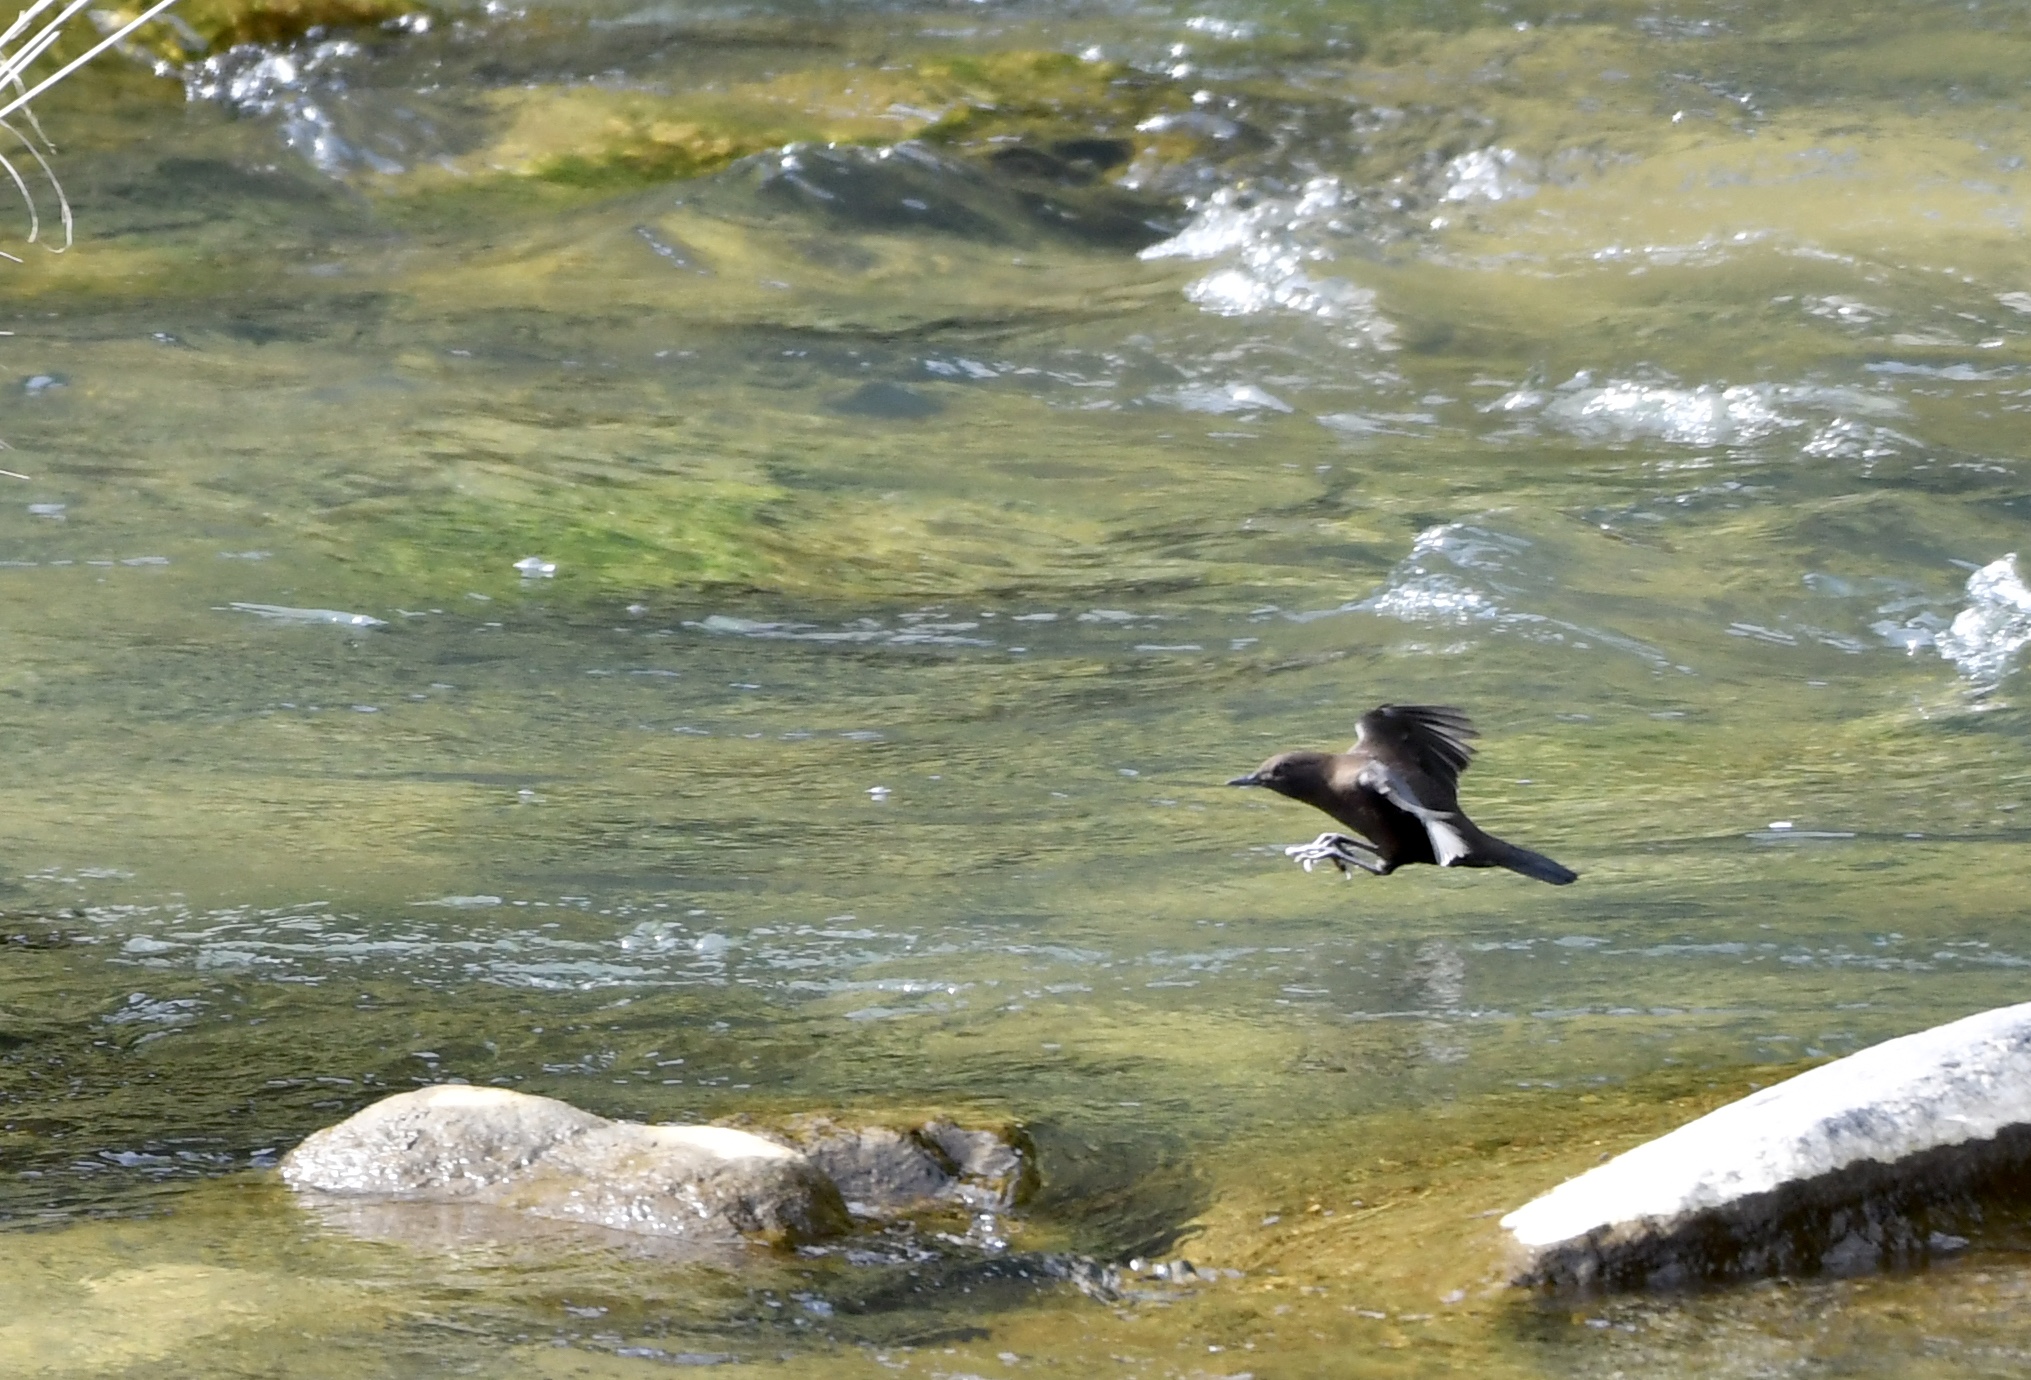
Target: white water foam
1221, 399
1987, 635
1229, 30
297, 86
1625, 410
1275, 245
1422, 590
1843, 438
1462, 574
1703, 416
1490, 174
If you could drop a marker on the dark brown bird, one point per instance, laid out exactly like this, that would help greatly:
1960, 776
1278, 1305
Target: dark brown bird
1398, 787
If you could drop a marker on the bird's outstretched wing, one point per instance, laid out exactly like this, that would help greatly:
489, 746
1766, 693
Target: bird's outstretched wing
1434, 735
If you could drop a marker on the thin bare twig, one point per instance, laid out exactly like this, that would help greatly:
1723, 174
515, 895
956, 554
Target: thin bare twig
108, 41
26, 39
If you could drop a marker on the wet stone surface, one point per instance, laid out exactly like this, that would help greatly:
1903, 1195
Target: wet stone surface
883, 1170
1882, 1158
487, 1146
792, 1184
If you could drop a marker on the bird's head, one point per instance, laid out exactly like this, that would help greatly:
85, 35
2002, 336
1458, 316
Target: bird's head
1299, 775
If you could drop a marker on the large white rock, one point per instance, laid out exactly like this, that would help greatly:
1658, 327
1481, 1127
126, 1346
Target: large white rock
1873, 1159
488, 1146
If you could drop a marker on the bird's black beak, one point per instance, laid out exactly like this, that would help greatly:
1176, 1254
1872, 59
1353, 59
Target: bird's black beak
1252, 779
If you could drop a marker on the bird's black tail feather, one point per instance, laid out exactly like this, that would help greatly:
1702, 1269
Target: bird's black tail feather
1490, 851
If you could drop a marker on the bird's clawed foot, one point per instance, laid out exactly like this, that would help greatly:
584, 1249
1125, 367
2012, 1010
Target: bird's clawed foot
1339, 850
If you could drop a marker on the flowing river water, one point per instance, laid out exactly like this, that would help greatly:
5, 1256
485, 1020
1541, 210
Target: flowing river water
713, 560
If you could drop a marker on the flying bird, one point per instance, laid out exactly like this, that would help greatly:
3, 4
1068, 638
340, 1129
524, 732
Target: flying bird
1398, 787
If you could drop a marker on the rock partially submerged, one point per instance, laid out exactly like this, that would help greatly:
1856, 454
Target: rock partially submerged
485, 1155
491, 1147
884, 1170
1879, 1158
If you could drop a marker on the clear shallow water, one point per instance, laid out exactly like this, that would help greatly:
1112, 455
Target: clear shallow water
936, 524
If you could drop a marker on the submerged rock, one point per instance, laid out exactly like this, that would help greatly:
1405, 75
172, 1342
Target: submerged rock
1880, 1158
884, 1170
996, 1168
878, 1169
1041, 120
492, 1147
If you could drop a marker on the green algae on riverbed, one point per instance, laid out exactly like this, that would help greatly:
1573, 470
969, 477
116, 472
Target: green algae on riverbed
714, 520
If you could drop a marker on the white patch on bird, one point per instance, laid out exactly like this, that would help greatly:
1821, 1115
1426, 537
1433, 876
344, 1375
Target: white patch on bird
1447, 844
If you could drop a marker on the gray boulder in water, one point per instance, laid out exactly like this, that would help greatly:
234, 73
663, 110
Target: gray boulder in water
1881, 1158
491, 1147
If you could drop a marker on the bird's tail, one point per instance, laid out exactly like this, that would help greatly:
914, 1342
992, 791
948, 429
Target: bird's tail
1490, 851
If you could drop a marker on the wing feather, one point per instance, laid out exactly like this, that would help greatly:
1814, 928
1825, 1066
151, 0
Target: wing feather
1436, 735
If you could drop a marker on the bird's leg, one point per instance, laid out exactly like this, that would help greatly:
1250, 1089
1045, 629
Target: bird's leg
1337, 849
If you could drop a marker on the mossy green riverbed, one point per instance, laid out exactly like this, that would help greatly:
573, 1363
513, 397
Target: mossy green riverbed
964, 437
